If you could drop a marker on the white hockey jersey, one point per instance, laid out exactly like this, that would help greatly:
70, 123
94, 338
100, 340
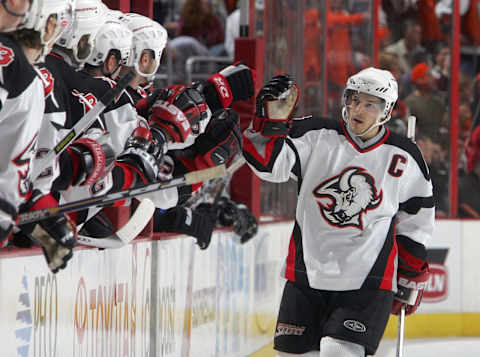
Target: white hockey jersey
21, 105
357, 204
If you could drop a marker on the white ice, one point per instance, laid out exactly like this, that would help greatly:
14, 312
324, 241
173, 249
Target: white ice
445, 347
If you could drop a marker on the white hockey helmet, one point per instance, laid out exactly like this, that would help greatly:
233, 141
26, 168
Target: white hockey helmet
39, 14
377, 82
90, 15
147, 35
113, 35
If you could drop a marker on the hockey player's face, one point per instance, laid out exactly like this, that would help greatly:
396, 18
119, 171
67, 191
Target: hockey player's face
363, 111
13, 15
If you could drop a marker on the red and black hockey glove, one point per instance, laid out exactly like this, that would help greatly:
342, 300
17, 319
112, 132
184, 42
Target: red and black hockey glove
410, 285
189, 101
84, 162
275, 104
221, 141
144, 154
233, 83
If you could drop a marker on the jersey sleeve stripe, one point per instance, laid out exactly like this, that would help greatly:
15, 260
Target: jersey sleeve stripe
414, 204
297, 167
256, 159
411, 253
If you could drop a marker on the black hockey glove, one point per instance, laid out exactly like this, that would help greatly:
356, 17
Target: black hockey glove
198, 223
275, 104
233, 83
221, 141
244, 223
144, 151
57, 235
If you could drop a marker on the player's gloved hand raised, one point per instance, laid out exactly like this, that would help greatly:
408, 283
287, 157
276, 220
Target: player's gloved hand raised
411, 286
221, 141
275, 104
144, 153
56, 235
233, 83
180, 113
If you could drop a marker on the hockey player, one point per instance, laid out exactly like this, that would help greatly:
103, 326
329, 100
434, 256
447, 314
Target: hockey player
364, 214
12, 13
22, 99
149, 41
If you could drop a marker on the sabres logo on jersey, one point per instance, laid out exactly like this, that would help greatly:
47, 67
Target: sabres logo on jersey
6, 55
22, 161
344, 198
88, 100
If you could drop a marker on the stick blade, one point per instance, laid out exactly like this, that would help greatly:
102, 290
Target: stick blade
137, 221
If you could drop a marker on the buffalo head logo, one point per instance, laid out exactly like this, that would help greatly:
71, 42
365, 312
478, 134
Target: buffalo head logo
344, 198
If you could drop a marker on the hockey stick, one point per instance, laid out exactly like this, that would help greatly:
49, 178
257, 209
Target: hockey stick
142, 215
109, 198
400, 332
140, 218
401, 318
84, 123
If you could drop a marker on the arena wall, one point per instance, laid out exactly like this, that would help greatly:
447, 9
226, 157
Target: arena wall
169, 298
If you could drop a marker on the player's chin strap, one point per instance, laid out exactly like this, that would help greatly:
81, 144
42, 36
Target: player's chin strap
378, 122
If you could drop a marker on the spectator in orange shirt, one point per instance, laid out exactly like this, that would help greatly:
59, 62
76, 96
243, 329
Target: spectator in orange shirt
313, 34
340, 57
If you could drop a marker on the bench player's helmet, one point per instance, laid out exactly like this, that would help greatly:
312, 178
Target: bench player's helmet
90, 15
377, 82
51, 18
147, 35
113, 35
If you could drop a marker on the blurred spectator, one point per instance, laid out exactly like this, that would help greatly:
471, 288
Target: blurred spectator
435, 157
424, 102
384, 38
430, 24
181, 48
198, 20
312, 63
464, 122
469, 184
340, 63
396, 12
409, 46
441, 65
232, 31
443, 11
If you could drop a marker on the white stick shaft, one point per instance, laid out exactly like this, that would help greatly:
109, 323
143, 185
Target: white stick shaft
400, 332
411, 127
